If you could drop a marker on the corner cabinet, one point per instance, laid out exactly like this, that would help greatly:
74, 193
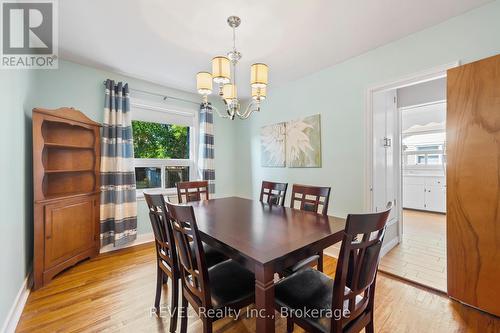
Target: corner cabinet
66, 162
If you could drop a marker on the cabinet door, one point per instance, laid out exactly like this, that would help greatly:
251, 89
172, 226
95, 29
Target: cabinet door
413, 196
435, 198
69, 229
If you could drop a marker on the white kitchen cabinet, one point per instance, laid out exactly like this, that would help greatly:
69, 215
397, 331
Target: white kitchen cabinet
424, 193
435, 198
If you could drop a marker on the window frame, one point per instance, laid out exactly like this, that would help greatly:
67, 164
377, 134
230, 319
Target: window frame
160, 114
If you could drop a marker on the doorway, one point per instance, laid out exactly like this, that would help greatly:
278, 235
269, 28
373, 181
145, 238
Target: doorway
407, 166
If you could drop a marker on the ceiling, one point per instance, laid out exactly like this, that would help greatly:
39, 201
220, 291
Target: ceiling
168, 42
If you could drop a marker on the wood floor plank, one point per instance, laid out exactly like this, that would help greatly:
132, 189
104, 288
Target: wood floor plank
421, 256
114, 293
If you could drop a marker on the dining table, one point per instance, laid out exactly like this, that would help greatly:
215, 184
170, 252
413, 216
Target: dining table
265, 239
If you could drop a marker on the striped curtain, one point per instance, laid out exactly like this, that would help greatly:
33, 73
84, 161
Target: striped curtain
118, 202
206, 163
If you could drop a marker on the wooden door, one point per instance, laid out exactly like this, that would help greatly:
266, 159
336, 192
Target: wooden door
69, 229
473, 184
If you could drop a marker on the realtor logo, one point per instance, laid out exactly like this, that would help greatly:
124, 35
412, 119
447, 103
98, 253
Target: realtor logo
29, 34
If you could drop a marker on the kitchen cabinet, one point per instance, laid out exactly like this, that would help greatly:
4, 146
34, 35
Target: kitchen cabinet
424, 193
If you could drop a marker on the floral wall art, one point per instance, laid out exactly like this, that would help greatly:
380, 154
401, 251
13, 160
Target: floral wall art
296, 143
272, 139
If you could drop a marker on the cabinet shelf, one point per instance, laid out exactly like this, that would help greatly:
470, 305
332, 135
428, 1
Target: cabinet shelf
68, 171
66, 146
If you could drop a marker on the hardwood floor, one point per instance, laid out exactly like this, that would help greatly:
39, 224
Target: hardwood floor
421, 257
114, 293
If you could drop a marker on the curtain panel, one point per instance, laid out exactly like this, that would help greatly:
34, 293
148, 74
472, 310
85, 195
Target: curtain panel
206, 163
118, 196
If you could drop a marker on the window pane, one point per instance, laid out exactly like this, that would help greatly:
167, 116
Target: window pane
154, 140
175, 174
420, 159
147, 177
433, 159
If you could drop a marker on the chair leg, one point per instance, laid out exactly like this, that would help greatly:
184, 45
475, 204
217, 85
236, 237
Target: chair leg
174, 304
207, 325
320, 261
184, 315
159, 285
369, 328
289, 325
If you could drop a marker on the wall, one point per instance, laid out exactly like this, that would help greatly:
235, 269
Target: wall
15, 193
338, 94
82, 87
426, 92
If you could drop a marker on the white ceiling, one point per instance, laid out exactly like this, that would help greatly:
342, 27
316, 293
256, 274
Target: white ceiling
168, 42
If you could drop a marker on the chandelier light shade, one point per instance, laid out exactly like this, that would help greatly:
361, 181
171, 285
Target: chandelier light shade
221, 69
229, 92
224, 76
258, 75
259, 93
204, 83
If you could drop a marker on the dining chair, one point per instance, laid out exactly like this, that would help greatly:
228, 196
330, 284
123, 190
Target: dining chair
273, 193
349, 297
166, 256
224, 286
312, 199
192, 191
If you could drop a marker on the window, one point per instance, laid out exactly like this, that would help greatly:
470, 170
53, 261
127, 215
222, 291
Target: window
164, 147
424, 150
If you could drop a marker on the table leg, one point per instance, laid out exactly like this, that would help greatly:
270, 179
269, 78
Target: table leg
264, 298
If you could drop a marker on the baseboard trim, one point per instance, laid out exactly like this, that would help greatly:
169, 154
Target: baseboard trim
141, 239
10, 324
387, 247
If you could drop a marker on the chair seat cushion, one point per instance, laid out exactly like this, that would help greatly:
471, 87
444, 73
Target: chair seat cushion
212, 256
309, 289
303, 264
230, 283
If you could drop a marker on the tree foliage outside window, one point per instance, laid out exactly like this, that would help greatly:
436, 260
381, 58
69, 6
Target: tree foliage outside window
165, 141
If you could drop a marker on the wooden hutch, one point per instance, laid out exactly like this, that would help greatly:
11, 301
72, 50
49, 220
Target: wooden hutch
66, 163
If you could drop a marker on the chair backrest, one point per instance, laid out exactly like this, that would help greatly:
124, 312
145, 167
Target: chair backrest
192, 264
273, 193
192, 191
162, 230
357, 265
310, 198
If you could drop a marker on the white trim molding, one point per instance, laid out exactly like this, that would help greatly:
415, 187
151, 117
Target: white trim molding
10, 324
387, 247
141, 239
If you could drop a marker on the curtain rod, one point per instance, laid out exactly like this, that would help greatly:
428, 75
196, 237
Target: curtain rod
165, 97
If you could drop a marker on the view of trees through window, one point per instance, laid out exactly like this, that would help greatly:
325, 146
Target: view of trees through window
154, 140
155, 145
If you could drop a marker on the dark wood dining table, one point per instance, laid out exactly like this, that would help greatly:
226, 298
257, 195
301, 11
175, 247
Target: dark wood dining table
265, 239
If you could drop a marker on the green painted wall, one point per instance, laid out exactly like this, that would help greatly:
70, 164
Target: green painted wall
338, 94
15, 193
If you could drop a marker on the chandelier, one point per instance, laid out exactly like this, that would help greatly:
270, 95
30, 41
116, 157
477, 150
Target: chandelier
221, 76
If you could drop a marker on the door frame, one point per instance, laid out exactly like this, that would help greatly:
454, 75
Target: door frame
407, 80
